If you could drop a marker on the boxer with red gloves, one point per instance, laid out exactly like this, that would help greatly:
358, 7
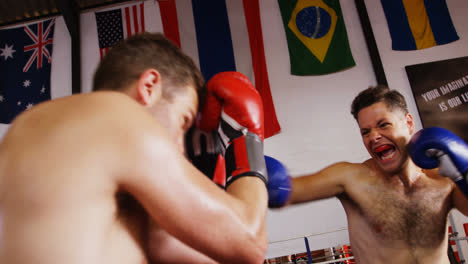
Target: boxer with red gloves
110, 191
226, 144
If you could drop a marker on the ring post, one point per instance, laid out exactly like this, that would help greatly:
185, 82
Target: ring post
308, 250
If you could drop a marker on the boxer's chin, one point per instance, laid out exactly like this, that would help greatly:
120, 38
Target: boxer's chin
389, 159
385, 153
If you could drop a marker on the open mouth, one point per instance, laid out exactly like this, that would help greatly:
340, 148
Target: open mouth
385, 152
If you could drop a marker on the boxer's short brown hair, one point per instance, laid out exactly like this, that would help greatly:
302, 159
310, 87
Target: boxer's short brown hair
375, 94
127, 60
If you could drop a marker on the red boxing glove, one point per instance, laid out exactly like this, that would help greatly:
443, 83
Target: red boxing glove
234, 107
205, 150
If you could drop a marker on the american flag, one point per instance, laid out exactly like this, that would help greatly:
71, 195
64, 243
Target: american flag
117, 24
25, 62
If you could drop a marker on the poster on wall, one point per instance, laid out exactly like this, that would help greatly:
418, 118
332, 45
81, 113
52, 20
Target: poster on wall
440, 89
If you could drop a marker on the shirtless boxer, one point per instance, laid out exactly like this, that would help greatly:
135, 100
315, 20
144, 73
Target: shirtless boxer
396, 211
82, 177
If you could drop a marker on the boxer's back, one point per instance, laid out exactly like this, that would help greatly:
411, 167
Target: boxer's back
57, 185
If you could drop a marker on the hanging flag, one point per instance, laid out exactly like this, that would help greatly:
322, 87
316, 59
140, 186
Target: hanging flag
25, 59
316, 35
418, 24
222, 35
117, 24
169, 20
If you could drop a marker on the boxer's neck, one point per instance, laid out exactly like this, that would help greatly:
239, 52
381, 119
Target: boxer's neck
409, 174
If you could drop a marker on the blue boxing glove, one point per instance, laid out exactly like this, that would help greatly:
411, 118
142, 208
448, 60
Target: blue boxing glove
436, 147
279, 183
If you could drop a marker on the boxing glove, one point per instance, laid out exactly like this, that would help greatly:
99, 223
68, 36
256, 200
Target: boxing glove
234, 108
438, 147
205, 151
279, 183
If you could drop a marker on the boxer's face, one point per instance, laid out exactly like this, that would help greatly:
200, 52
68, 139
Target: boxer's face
177, 115
385, 134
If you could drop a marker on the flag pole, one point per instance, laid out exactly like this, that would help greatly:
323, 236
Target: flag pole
371, 44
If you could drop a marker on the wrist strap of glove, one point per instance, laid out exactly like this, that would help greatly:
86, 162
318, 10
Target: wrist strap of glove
229, 129
446, 166
244, 157
448, 169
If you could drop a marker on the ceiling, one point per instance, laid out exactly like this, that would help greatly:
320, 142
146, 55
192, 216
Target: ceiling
20, 11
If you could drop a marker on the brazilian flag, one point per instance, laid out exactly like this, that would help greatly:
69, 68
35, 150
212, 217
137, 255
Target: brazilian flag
316, 35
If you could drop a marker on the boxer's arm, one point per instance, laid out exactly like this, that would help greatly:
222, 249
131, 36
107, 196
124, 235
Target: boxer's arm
190, 207
328, 182
164, 248
246, 190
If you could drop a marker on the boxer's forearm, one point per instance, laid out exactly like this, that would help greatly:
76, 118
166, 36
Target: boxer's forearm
161, 247
253, 197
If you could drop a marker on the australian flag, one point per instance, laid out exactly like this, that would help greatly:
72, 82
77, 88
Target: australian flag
25, 62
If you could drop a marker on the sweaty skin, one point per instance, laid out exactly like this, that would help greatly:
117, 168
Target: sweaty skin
396, 212
80, 177
59, 199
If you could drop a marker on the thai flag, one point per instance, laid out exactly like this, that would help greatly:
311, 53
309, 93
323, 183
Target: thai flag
222, 35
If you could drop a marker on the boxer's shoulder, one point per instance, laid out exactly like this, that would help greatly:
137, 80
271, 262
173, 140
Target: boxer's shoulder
97, 103
101, 123
433, 181
94, 111
354, 172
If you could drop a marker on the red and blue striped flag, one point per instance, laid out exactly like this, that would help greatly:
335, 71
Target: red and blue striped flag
222, 35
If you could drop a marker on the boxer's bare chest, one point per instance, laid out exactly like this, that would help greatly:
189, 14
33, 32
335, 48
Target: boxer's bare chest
416, 215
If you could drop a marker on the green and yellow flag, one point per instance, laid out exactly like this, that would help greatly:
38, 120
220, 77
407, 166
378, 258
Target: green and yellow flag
316, 35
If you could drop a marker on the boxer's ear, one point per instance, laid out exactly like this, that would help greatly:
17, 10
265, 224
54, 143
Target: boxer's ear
410, 123
149, 87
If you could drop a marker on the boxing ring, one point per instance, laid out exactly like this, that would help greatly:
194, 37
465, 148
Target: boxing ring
340, 254
454, 242
343, 254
